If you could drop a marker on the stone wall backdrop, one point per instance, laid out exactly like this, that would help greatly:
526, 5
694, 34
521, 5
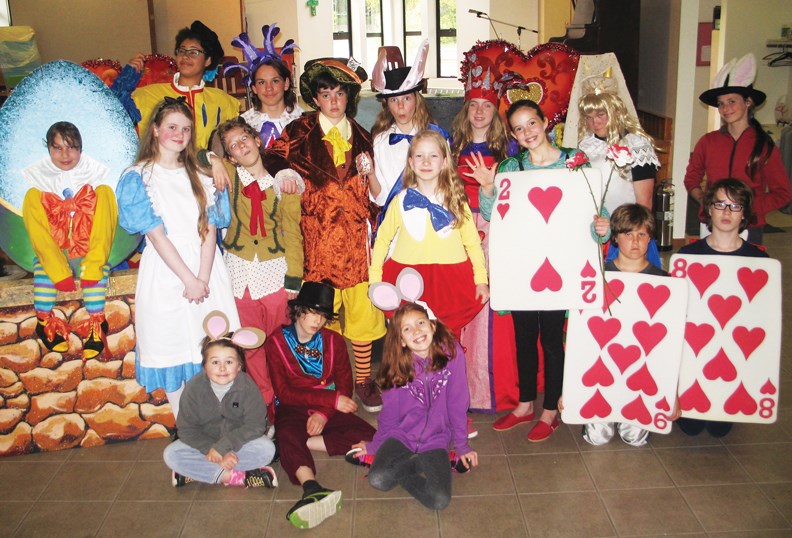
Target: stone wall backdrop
53, 401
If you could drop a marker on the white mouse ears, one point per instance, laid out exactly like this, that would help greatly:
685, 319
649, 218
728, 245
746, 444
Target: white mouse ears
216, 327
409, 287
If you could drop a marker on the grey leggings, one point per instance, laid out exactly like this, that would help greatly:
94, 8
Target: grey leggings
426, 475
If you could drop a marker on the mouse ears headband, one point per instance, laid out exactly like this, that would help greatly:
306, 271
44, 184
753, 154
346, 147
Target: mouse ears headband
255, 57
216, 326
409, 288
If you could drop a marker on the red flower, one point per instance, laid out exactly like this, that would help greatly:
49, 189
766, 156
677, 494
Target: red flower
577, 161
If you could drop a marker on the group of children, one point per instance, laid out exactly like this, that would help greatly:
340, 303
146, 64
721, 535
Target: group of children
299, 213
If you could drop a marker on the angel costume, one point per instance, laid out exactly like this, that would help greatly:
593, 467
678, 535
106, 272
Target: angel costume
169, 328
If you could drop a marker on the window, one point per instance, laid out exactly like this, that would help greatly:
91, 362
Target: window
447, 65
374, 36
342, 29
413, 17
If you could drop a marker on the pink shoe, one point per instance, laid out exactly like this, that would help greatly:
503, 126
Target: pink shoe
541, 430
507, 422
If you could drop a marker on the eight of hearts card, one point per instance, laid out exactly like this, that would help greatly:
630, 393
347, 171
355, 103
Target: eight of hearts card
622, 360
541, 251
731, 357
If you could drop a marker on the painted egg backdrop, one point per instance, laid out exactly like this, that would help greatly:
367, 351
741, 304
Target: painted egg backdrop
59, 91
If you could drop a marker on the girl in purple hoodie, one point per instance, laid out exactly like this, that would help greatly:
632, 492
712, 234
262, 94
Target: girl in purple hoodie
425, 400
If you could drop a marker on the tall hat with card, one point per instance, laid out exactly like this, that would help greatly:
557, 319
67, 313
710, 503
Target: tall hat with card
400, 80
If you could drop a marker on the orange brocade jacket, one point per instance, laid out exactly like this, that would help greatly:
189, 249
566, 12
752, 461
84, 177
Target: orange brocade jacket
336, 209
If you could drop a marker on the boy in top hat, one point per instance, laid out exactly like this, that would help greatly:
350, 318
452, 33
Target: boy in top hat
311, 376
327, 149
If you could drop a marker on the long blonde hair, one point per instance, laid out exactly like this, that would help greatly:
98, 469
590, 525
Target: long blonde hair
421, 117
462, 134
620, 122
449, 187
149, 154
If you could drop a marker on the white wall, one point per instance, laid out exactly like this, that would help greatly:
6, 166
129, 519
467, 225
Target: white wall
520, 13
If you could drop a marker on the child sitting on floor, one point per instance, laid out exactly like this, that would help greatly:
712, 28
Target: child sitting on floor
223, 419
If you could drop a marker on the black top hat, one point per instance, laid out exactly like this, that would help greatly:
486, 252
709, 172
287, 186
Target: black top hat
393, 81
316, 296
737, 76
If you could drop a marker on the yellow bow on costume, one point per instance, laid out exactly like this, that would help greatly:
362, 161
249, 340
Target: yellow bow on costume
340, 145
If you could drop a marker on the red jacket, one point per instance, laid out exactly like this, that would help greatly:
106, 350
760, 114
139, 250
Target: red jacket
719, 156
295, 388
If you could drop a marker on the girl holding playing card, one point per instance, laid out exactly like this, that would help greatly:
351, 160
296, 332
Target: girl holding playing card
432, 229
728, 207
528, 126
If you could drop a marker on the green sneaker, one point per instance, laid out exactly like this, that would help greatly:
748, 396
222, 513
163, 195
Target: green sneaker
312, 509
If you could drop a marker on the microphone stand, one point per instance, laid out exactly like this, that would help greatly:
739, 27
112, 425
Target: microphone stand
482, 15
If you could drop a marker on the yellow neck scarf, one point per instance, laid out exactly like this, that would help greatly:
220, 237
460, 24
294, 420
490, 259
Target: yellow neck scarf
340, 145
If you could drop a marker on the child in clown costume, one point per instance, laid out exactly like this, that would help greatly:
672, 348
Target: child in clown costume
68, 208
198, 53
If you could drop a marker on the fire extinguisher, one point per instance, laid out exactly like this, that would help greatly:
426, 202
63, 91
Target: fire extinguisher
664, 215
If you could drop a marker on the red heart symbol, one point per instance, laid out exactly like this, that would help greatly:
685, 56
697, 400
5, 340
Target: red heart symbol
545, 200
653, 297
636, 410
624, 356
724, 308
588, 271
740, 402
649, 335
503, 208
752, 282
694, 399
702, 276
662, 404
597, 406
546, 278
549, 70
748, 339
768, 388
642, 381
698, 336
603, 330
720, 367
598, 374
613, 290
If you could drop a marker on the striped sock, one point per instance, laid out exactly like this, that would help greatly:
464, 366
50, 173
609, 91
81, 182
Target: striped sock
95, 294
362, 351
44, 291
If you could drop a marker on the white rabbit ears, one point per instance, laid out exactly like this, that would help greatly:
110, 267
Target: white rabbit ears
409, 287
216, 326
736, 76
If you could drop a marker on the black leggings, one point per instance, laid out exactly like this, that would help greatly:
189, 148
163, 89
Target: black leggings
528, 327
426, 475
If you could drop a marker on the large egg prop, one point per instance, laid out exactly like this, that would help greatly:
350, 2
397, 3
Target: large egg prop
59, 91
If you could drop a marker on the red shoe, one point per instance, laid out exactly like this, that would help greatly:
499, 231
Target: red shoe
542, 430
507, 422
471, 429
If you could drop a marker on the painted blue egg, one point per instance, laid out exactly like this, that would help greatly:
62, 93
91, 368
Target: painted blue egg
59, 91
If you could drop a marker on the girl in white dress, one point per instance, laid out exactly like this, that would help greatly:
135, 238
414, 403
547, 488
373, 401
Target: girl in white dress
167, 197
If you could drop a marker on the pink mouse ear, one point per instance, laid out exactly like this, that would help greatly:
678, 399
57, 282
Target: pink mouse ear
384, 296
215, 324
410, 284
248, 337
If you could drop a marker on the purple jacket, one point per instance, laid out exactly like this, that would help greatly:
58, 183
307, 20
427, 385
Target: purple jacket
428, 413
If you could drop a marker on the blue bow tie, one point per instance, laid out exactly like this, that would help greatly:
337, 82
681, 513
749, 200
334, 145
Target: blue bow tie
440, 216
395, 138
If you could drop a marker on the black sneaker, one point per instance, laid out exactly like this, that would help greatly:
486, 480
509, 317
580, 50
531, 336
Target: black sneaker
261, 477
58, 342
312, 509
178, 480
354, 459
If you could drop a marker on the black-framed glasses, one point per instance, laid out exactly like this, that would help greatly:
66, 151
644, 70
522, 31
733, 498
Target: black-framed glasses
192, 53
734, 208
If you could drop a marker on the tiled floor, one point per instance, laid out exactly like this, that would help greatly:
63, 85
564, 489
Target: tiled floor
738, 486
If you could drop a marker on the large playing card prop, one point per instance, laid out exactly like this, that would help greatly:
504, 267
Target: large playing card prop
622, 360
542, 254
731, 357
